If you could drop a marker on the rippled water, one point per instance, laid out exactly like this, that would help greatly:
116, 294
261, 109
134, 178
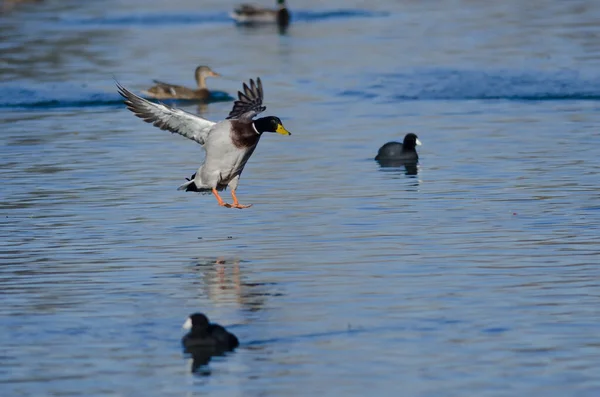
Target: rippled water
477, 276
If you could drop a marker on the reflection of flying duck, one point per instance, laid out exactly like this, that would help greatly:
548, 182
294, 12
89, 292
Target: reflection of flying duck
250, 14
223, 283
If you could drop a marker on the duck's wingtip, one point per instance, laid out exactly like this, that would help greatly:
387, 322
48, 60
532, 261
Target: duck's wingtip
124, 92
116, 80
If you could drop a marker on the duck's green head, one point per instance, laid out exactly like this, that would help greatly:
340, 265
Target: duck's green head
270, 124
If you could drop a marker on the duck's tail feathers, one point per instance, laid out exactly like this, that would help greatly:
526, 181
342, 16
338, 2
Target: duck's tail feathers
190, 185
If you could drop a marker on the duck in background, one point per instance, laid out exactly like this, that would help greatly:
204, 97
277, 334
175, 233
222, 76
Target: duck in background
170, 91
249, 14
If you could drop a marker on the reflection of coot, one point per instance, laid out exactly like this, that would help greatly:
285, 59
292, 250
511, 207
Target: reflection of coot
200, 359
206, 340
396, 154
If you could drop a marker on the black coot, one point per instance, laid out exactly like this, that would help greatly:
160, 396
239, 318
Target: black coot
399, 153
203, 334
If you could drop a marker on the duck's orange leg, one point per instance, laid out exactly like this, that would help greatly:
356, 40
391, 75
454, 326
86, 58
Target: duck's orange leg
236, 204
219, 199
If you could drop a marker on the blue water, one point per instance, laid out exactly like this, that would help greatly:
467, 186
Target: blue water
161, 18
476, 276
69, 96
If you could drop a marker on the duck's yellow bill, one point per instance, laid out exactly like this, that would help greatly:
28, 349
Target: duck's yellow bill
281, 130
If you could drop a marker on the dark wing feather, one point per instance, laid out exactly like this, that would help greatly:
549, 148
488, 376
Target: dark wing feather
247, 9
249, 102
167, 118
158, 82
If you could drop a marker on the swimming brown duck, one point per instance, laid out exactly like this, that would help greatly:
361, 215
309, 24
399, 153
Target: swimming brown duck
170, 91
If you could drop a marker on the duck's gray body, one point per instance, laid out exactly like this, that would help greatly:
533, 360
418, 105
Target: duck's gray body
224, 161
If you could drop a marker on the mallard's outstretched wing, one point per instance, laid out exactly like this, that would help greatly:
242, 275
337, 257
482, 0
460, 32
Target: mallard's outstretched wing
249, 103
167, 118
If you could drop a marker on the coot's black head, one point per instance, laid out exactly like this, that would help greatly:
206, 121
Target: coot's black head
196, 321
411, 141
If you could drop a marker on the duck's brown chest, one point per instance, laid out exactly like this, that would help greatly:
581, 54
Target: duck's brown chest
243, 135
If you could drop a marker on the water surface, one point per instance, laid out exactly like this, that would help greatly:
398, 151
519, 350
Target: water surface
476, 276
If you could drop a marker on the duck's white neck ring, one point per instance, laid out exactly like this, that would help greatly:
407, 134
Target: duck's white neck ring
255, 130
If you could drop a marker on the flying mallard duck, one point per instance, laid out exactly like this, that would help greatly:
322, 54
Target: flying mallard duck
228, 143
170, 91
252, 14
